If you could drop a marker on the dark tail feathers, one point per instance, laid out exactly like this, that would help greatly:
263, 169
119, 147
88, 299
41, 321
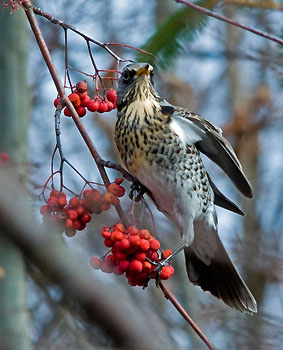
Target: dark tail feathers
220, 278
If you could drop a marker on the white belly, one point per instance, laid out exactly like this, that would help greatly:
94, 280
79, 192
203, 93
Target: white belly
175, 201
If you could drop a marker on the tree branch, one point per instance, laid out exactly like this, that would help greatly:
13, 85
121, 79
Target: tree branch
230, 21
55, 77
124, 322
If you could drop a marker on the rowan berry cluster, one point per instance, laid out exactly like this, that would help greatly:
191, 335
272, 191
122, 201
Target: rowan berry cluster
82, 101
133, 252
74, 215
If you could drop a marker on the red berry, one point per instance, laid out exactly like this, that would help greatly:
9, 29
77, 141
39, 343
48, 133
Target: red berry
124, 265
75, 99
154, 245
95, 262
74, 202
92, 105
117, 270
81, 211
135, 266
105, 206
85, 100
105, 234
145, 234
121, 191
166, 272
119, 180
108, 242
96, 196
85, 218
117, 236
67, 113
70, 232
81, 86
52, 203
132, 230
119, 227
153, 256
86, 193
124, 244
112, 95
44, 210
113, 188
140, 256
62, 201
134, 241
146, 266
81, 111
111, 198
166, 253
69, 223
79, 225
120, 255
144, 245
55, 193
102, 107
105, 267
109, 106
56, 101
110, 259
72, 214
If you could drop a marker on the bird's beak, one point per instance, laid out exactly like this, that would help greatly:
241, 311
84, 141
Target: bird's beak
143, 71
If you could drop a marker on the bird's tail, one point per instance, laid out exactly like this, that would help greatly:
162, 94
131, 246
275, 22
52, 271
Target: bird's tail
212, 270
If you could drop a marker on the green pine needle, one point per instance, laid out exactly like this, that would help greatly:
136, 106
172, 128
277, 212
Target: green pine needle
167, 42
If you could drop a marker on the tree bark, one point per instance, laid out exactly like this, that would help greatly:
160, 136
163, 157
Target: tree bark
13, 139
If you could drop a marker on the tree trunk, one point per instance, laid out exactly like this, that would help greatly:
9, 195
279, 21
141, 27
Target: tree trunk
13, 139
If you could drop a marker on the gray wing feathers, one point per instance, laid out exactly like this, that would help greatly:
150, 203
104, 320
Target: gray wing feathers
222, 201
209, 140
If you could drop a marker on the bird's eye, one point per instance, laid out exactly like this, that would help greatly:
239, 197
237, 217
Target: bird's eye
126, 75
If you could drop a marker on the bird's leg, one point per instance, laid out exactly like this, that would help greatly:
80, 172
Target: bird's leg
160, 264
139, 188
187, 238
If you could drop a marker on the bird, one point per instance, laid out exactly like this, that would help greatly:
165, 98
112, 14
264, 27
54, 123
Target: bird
160, 145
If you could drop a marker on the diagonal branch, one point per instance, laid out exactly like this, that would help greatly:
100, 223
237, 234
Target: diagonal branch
168, 295
55, 77
230, 21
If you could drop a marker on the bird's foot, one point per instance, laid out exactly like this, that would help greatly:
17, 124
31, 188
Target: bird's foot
157, 270
137, 190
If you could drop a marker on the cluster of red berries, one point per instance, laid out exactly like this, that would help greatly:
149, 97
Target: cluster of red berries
74, 216
4, 158
81, 101
133, 252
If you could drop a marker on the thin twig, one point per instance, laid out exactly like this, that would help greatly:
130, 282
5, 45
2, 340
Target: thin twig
268, 5
230, 21
168, 295
54, 20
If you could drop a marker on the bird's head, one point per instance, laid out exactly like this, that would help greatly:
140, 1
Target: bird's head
136, 82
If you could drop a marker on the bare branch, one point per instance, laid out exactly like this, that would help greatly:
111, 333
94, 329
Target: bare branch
125, 323
230, 21
55, 77
183, 312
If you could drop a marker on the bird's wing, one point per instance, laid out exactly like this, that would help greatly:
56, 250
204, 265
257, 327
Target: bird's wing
208, 139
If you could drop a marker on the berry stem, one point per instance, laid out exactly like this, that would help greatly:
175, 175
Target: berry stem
55, 77
168, 295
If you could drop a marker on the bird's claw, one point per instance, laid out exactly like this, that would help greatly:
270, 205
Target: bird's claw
139, 188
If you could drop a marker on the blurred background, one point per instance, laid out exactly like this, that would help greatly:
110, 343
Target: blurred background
231, 77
